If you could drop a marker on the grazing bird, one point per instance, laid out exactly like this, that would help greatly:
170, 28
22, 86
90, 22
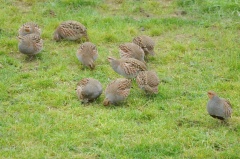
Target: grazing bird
131, 50
88, 89
70, 30
117, 91
219, 108
87, 54
148, 81
127, 67
29, 28
30, 44
146, 43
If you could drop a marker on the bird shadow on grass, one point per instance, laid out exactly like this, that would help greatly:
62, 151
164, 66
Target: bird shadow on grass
188, 122
230, 123
33, 58
118, 105
67, 42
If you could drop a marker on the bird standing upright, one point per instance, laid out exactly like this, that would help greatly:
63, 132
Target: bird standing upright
219, 108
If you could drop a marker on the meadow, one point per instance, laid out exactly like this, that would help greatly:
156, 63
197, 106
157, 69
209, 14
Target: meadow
197, 49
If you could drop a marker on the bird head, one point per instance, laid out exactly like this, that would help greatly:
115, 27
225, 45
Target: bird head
91, 66
27, 29
211, 94
111, 59
106, 102
56, 36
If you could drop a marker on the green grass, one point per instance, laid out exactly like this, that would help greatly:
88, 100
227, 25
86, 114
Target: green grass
41, 117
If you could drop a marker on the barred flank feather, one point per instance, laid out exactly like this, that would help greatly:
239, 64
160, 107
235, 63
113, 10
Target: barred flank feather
70, 30
146, 43
127, 67
131, 50
148, 81
117, 91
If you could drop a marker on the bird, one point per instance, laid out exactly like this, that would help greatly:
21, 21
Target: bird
219, 108
29, 28
117, 91
127, 67
148, 81
30, 44
87, 54
70, 30
131, 50
146, 43
88, 89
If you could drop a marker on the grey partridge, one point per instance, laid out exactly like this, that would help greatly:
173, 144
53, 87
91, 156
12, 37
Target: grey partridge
219, 108
148, 81
87, 54
146, 43
29, 28
30, 44
131, 50
117, 91
88, 89
127, 67
70, 30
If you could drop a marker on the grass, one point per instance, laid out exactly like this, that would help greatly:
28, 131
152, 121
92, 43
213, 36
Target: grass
41, 117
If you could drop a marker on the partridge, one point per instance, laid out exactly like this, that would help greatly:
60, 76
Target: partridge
146, 43
131, 50
29, 28
127, 67
70, 30
148, 81
87, 54
88, 89
219, 108
30, 44
117, 91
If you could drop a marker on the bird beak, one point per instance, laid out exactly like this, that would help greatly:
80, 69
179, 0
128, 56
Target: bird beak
106, 102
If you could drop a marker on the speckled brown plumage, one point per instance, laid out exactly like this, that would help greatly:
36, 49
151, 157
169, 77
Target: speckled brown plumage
87, 54
146, 43
70, 30
127, 67
29, 28
30, 44
148, 81
117, 91
131, 50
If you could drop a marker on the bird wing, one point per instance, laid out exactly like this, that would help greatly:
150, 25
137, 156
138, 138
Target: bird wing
129, 68
94, 52
83, 82
153, 80
227, 107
